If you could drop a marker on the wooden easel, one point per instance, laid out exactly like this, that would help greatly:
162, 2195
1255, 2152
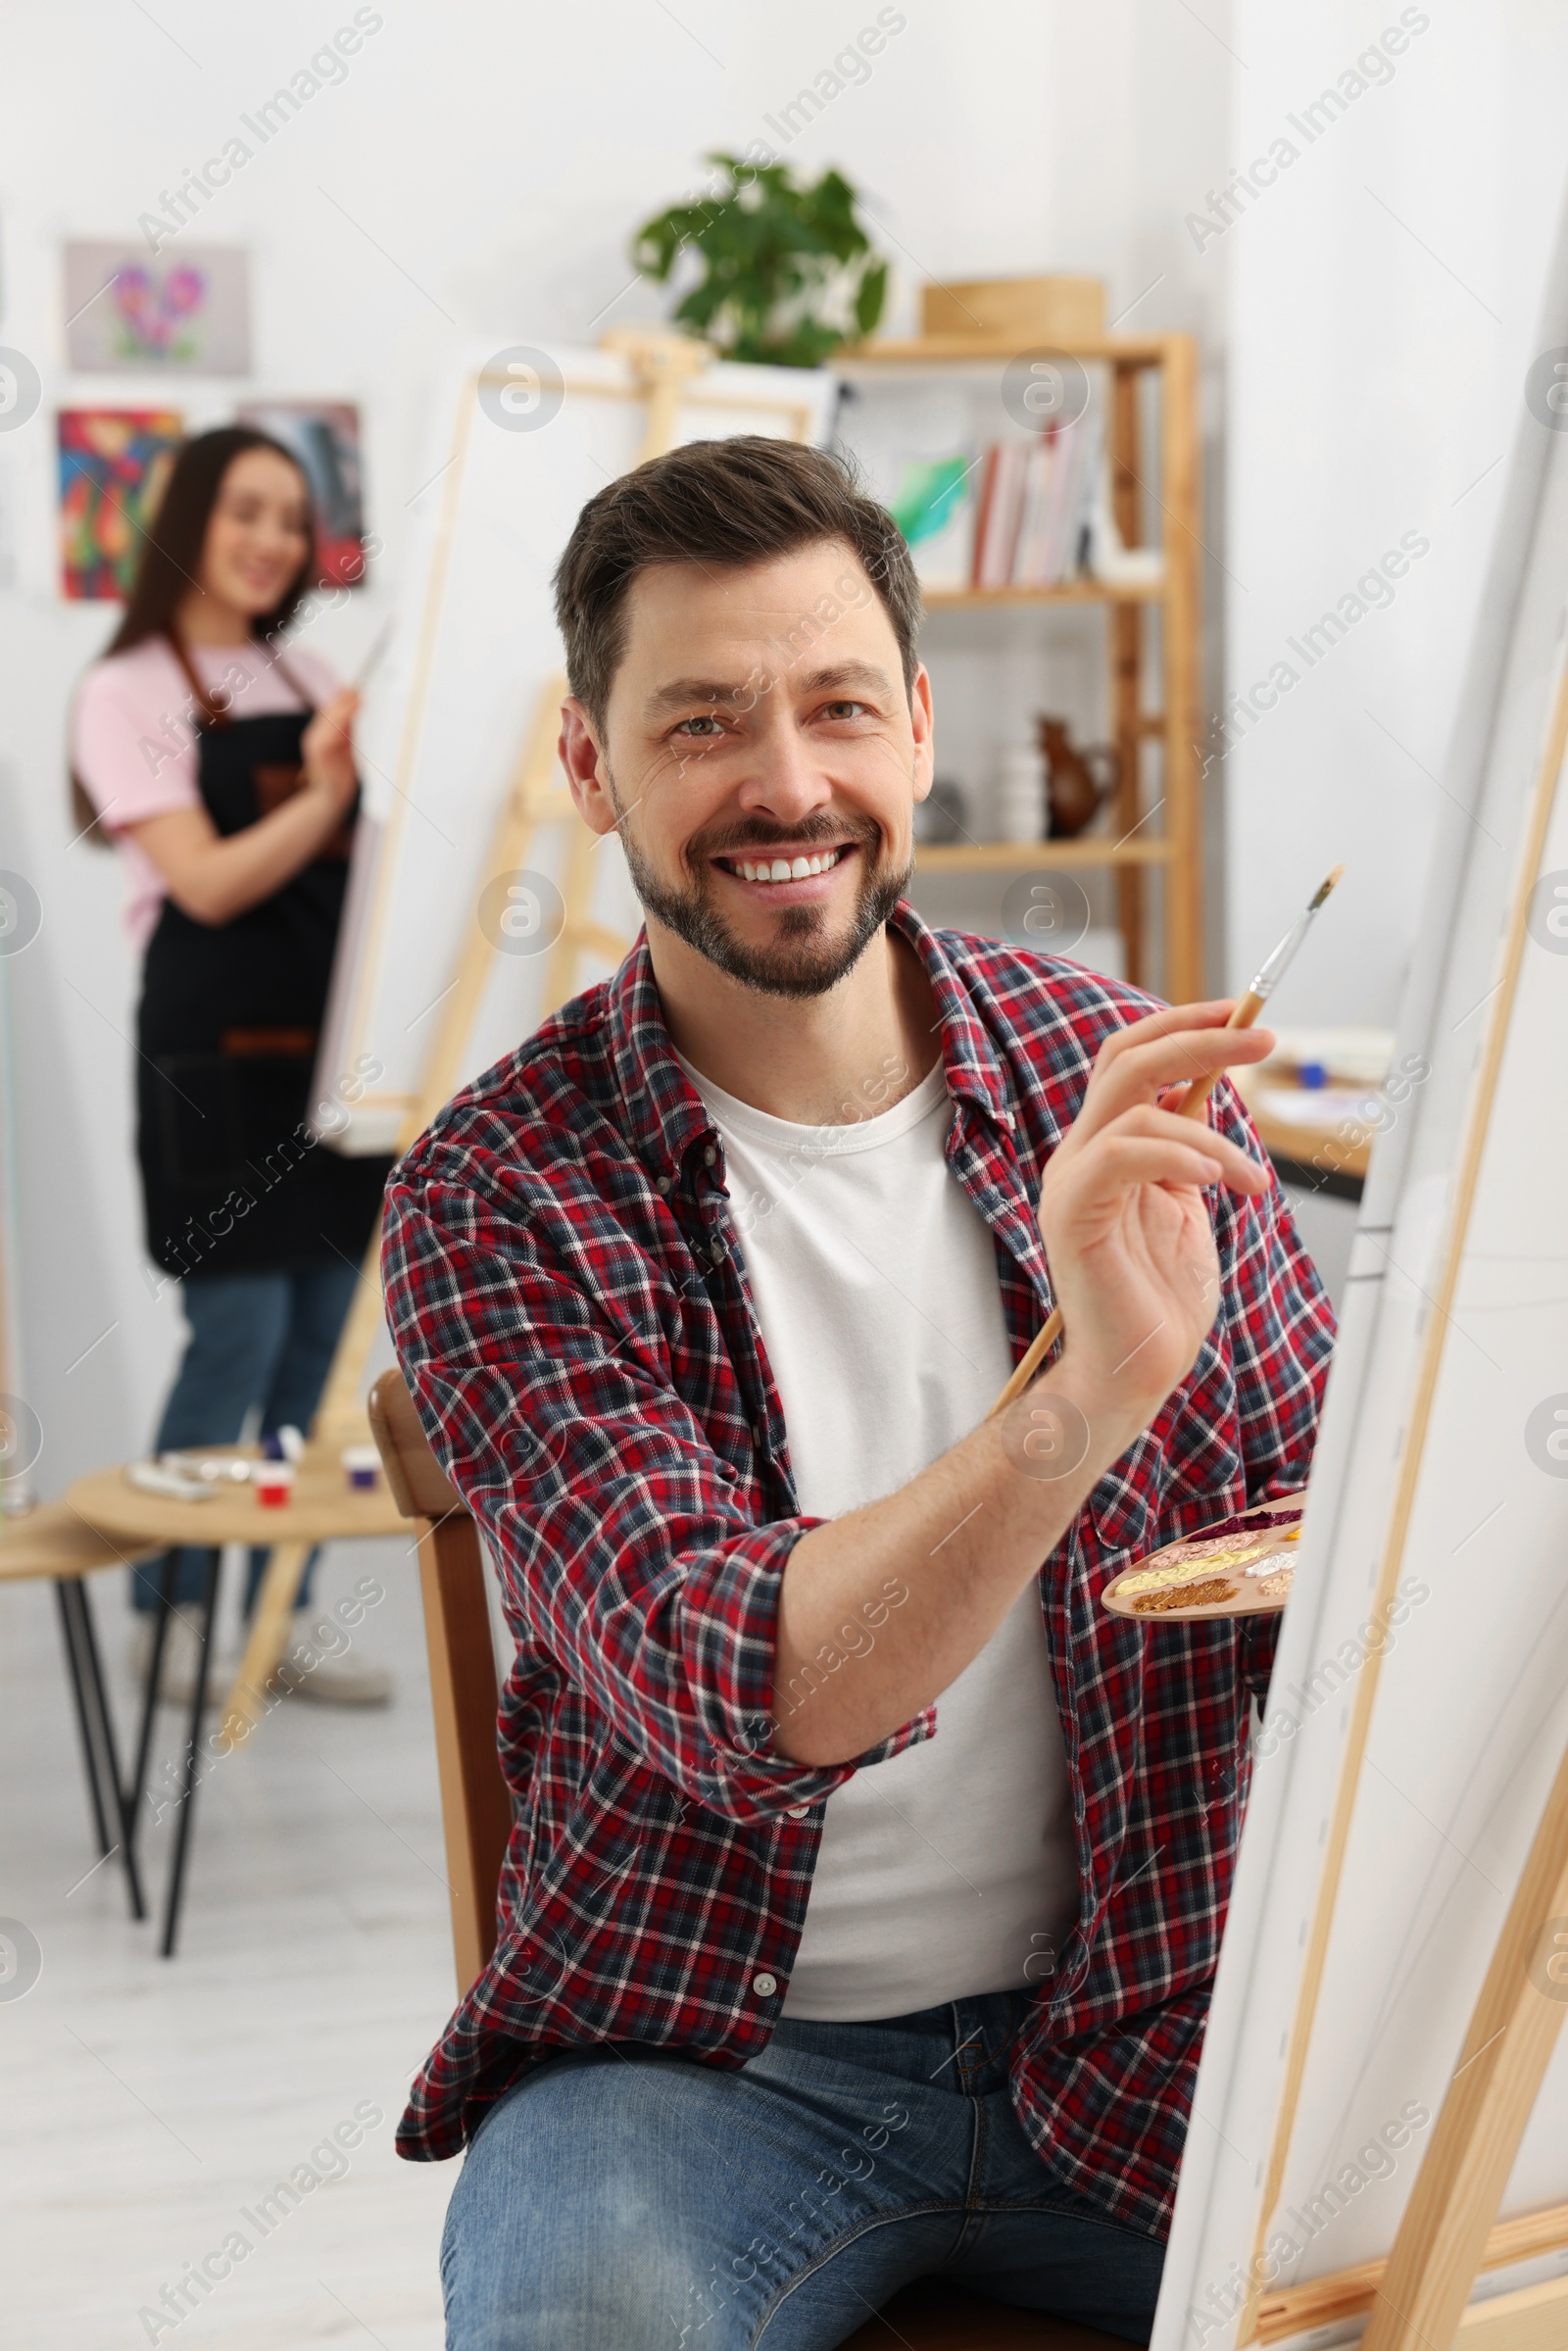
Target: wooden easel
1448, 2237
664, 363
1419, 2298
1423, 2297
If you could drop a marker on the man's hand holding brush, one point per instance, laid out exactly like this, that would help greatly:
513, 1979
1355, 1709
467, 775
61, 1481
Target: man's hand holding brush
1240, 1016
1126, 1228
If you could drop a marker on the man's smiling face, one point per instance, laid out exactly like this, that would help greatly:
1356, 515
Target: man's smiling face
762, 759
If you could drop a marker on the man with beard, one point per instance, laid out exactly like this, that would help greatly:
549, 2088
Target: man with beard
861, 1915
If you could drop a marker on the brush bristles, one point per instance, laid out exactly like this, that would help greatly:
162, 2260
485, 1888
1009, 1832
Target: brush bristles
1324, 889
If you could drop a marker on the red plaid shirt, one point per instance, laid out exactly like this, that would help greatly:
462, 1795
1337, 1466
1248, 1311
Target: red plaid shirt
571, 1310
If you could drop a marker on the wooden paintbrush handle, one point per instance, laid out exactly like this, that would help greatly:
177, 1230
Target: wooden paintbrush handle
1190, 1106
1039, 1347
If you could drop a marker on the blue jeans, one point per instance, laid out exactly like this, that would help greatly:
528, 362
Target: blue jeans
625, 2196
262, 1338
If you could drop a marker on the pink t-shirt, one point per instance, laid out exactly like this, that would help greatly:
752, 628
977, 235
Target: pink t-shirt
133, 738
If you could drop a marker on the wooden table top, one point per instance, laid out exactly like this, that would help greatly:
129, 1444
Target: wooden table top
324, 1507
1322, 1147
52, 1540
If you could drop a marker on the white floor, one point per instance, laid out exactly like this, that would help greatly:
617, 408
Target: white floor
144, 2102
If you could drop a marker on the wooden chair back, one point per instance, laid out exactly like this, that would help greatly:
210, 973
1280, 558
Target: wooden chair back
464, 1696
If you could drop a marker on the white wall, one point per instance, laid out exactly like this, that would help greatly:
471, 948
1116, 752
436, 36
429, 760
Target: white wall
1384, 301
475, 174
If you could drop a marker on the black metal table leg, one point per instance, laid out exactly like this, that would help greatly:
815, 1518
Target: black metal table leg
110, 1807
93, 1700
69, 1633
186, 1799
149, 1703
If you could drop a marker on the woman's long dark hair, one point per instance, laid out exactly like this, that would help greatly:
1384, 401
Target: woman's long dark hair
172, 555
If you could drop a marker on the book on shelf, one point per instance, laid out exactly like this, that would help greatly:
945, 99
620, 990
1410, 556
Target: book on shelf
1037, 502
1002, 482
1029, 554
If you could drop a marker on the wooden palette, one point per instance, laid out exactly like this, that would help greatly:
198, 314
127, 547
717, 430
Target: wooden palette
1242, 1567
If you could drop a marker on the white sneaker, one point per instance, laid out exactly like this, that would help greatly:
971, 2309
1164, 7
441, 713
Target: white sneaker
176, 1680
306, 1671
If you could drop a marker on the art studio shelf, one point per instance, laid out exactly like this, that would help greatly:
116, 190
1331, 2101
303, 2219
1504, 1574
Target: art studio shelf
1152, 631
1022, 857
1073, 591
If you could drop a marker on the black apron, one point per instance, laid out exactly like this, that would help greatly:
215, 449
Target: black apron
227, 1034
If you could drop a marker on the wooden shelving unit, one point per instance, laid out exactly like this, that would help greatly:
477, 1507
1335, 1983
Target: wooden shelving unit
1017, 856
1075, 591
1143, 828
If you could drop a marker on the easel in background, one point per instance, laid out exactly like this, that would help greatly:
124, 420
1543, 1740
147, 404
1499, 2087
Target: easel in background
664, 363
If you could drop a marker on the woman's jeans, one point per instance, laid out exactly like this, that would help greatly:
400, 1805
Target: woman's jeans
626, 2197
264, 1339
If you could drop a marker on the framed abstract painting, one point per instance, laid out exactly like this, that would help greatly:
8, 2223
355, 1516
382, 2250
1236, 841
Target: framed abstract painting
323, 437
113, 467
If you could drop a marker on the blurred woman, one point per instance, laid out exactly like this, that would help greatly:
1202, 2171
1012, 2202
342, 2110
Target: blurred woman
223, 770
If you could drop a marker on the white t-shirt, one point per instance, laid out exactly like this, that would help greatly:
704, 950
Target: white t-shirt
949, 1870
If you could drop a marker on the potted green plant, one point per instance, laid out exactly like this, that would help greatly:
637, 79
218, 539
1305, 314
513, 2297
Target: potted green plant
787, 273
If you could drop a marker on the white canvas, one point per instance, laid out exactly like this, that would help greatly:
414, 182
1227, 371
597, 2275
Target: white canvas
474, 644
1471, 1708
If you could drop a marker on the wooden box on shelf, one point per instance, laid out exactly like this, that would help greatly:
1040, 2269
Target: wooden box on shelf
1144, 830
1032, 309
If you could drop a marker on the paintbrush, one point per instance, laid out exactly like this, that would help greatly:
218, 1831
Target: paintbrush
378, 646
1245, 1012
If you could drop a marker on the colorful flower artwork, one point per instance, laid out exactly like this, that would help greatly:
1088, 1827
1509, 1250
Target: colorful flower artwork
113, 467
134, 312
154, 313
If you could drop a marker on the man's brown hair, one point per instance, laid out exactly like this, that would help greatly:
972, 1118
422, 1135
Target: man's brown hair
723, 505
